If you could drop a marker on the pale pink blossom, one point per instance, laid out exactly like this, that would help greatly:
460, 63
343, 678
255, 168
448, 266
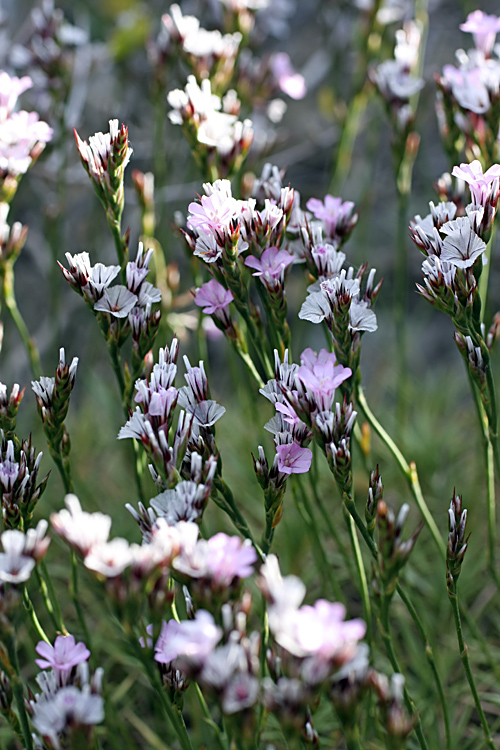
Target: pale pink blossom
79, 529
19, 135
335, 214
292, 459
214, 211
221, 559
321, 375
483, 28
109, 559
479, 183
271, 263
15, 565
192, 640
63, 656
288, 80
212, 296
10, 89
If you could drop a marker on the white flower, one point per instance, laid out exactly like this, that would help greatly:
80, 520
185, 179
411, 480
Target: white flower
80, 530
109, 558
15, 566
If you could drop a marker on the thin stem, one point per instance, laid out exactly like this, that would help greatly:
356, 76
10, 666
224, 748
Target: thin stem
11, 304
464, 655
483, 281
352, 510
208, 718
325, 569
76, 601
172, 712
385, 632
17, 688
332, 529
409, 470
50, 597
365, 597
400, 311
234, 512
28, 604
430, 658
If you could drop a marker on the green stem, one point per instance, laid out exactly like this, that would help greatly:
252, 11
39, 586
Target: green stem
409, 470
352, 510
400, 311
28, 605
208, 718
17, 688
50, 597
385, 632
365, 597
464, 655
76, 601
332, 529
11, 304
325, 569
430, 658
172, 712
234, 512
485, 272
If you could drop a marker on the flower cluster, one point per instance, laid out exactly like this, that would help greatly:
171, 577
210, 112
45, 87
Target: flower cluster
22, 134
395, 79
19, 465
21, 552
209, 54
70, 702
121, 309
193, 453
105, 157
467, 103
454, 245
212, 128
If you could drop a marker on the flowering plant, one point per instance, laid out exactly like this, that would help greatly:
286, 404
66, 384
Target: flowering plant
218, 563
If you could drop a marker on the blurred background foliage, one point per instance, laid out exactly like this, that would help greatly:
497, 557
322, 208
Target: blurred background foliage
113, 77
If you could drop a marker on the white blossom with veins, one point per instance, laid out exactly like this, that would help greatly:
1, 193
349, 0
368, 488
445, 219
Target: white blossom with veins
15, 565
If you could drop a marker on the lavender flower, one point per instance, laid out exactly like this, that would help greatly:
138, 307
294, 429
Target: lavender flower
483, 187
63, 656
292, 459
271, 264
220, 560
483, 28
287, 79
188, 642
213, 298
338, 217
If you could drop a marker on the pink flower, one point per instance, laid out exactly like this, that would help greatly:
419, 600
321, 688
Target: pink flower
335, 214
214, 211
10, 89
64, 655
191, 639
478, 182
212, 296
292, 459
271, 263
19, 135
483, 28
221, 559
229, 557
79, 529
288, 80
322, 375
321, 629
